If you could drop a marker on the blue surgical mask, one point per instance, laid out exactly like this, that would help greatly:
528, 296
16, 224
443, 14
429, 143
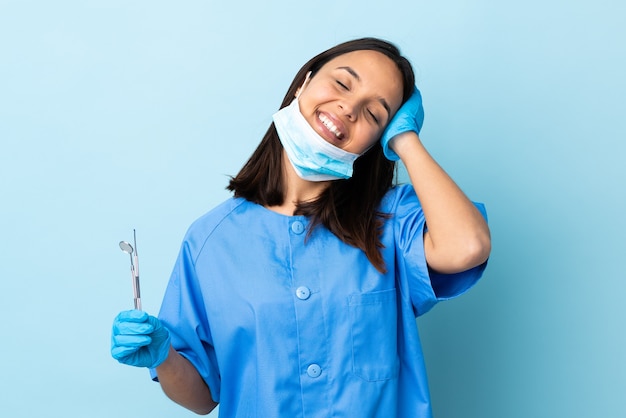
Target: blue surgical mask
312, 157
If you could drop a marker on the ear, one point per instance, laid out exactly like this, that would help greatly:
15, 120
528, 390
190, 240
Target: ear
307, 78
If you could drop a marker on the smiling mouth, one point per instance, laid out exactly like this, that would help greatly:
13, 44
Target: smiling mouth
331, 126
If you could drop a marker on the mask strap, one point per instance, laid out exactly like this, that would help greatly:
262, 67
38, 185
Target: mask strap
306, 79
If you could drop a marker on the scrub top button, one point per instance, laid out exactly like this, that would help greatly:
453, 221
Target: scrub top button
314, 370
303, 292
297, 227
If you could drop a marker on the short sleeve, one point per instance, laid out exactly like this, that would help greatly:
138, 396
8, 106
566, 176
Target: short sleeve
183, 313
417, 282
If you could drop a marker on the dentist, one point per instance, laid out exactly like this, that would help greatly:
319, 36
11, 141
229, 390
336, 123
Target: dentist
297, 297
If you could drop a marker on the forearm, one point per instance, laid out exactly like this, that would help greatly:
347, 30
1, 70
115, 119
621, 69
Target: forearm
182, 383
458, 236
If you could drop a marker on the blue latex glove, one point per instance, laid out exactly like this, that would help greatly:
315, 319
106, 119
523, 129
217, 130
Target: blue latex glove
409, 117
139, 339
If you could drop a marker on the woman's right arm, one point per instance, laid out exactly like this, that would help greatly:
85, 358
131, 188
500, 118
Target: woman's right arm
182, 383
141, 340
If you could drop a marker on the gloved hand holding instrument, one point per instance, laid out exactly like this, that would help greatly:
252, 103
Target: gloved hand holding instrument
138, 339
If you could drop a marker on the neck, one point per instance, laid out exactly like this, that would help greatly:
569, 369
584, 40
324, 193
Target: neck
297, 189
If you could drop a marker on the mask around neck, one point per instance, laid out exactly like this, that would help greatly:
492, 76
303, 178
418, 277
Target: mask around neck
312, 157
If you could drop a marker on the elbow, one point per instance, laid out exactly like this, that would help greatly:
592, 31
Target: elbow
459, 256
201, 407
204, 411
458, 252
476, 250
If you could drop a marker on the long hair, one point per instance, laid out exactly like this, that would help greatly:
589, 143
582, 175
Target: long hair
348, 208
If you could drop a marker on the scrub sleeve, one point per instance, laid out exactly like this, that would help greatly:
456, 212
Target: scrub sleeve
190, 332
417, 283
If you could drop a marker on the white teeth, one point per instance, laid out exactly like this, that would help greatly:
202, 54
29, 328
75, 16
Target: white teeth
330, 125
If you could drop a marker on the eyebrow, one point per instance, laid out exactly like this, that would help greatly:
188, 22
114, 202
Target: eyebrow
356, 76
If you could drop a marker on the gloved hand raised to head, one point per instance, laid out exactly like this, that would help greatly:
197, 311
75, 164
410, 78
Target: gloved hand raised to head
139, 339
409, 117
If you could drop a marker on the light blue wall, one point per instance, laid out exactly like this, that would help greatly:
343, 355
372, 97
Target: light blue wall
117, 115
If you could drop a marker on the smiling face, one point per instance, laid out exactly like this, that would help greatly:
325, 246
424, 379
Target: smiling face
352, 98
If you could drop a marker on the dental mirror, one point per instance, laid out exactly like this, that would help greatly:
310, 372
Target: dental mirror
134, 268
126, 247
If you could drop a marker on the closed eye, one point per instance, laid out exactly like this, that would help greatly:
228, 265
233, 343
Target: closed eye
373, 116
343, 86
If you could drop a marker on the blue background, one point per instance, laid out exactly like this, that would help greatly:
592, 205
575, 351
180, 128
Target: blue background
117, 115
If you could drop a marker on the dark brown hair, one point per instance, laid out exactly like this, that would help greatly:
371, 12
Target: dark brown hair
348, 208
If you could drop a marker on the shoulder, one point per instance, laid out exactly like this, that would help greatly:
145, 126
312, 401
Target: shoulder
397, 197
210, 220
203, 227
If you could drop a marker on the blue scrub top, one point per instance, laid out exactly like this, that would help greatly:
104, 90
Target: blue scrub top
280, 326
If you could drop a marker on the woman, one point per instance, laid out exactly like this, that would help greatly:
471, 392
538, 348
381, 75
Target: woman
298, 296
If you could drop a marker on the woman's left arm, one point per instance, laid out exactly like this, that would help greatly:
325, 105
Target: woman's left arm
457, 236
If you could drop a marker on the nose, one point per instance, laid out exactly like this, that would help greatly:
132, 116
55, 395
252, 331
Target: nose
348, 109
